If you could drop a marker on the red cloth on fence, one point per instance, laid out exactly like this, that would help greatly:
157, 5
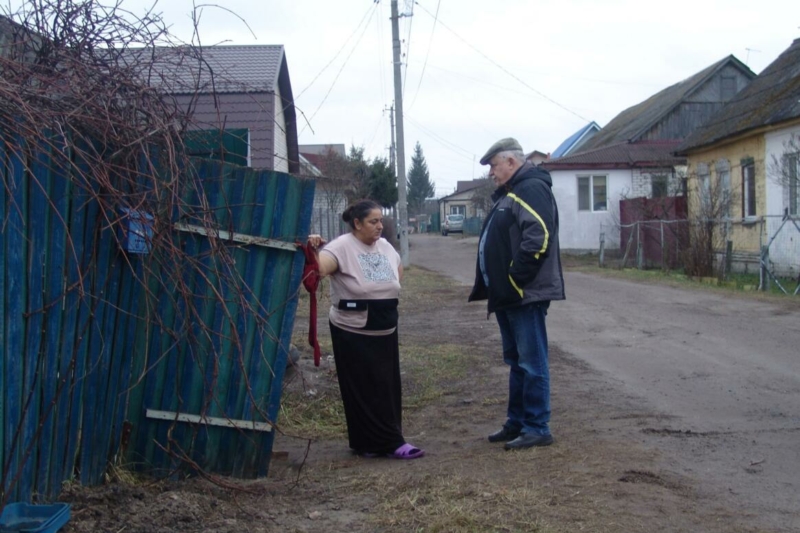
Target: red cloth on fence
311, 279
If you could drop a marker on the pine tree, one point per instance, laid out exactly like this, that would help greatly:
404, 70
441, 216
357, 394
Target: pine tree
420, 186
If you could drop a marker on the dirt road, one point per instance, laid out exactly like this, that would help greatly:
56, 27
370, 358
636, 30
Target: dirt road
719, 373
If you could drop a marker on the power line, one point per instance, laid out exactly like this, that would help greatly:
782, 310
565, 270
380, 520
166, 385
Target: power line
347, 59
447, 144
409, 15
427, 53
370, 10
498, 65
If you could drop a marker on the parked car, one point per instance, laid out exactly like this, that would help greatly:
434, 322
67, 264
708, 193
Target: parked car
453, 224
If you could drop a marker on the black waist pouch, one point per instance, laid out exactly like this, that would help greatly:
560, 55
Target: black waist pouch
381, 314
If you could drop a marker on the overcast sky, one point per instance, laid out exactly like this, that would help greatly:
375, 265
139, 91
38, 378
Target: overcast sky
475, 71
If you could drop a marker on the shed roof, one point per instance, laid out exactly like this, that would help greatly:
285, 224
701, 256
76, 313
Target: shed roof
218, 69
773, 97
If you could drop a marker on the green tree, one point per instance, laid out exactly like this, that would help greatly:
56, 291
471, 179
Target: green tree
382, 182
358, 170
420, 186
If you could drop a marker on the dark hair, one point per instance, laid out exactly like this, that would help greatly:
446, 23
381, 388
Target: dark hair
359, 210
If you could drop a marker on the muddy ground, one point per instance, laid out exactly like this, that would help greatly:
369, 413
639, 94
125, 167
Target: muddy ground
602, 475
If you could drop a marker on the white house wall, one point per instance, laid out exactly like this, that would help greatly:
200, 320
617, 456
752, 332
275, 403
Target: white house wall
281, 146
784, 252
580, 230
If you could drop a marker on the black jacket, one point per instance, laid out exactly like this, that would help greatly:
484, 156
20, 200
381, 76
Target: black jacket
521, 251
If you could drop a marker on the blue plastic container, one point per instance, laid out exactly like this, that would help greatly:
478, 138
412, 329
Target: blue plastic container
28, 518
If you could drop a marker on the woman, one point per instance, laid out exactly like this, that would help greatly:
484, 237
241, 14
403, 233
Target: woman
365, 273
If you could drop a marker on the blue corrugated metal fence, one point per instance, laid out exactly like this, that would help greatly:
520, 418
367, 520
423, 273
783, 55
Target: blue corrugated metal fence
168, 359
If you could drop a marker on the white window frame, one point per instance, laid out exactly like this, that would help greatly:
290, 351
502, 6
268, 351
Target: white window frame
590, 180
792, 171
458, 210
749, 198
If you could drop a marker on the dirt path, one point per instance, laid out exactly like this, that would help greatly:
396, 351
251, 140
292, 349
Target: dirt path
709, 381
673, 410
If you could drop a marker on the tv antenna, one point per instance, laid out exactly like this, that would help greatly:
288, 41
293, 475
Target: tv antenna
747, 58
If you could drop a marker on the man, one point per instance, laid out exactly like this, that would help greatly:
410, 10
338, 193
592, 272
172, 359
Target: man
519, 272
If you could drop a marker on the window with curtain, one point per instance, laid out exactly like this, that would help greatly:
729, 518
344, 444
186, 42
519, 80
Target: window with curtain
592, 193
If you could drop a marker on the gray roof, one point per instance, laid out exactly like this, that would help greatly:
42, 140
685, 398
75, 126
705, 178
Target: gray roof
219, 69
633, 122
773, 97
643, 154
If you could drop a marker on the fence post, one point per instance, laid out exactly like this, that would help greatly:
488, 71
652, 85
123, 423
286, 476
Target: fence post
639, 250
728, 259
663, 247
763, 270
601, 255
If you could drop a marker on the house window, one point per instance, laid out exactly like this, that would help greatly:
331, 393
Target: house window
725, 194
792, 162
592, 193
748, 188
659, 186
458, 210
230, 145
704, 188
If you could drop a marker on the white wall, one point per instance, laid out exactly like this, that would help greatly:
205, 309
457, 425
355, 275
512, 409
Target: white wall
580, 230
778, 143
281, 147
784, 251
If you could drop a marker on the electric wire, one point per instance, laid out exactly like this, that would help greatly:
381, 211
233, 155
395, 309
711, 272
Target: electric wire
370, 10
347, 59
445, 143
501, 67
427, 54
410, 16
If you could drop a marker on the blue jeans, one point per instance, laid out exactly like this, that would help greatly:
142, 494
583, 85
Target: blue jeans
525, 351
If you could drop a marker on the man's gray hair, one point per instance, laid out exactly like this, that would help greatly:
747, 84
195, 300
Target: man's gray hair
517, 155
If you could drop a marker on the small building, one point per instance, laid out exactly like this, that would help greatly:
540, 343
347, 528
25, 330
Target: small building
748, 156
238, 98
632, 156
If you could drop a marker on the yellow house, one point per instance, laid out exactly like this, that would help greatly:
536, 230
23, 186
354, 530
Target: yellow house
743, 170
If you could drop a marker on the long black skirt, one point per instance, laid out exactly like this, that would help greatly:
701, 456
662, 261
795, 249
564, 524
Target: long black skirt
368, 368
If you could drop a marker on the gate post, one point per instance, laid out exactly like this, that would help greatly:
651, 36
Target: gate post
764, 270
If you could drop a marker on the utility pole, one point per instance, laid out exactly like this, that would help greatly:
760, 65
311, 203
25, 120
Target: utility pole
402, 202
391, 148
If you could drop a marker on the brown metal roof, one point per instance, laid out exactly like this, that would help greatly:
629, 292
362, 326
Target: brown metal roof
645, 154
773, 97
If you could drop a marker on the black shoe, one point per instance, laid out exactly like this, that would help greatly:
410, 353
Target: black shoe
529, 440
504, 435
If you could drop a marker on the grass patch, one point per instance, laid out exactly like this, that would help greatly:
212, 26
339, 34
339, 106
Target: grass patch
430, 370
318, 415
451, 503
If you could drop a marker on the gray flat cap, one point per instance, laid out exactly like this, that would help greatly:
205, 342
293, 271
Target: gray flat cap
503, 145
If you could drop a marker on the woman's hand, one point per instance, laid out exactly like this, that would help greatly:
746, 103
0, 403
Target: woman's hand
316, 241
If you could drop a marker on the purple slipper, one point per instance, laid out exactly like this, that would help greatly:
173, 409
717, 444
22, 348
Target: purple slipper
406, 451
